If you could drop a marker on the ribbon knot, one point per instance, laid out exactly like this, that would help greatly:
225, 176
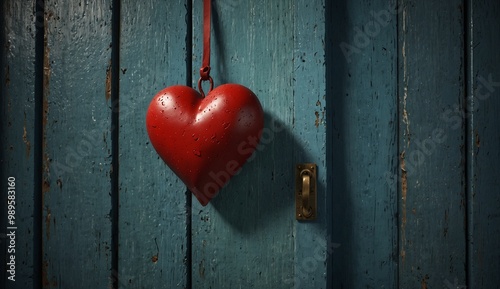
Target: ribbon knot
205, 73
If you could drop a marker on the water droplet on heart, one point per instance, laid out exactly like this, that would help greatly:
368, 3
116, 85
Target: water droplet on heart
197, 153
195, 137
162, 111
226, 125
214, 136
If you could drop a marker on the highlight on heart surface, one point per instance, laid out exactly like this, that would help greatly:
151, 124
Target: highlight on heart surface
205, 141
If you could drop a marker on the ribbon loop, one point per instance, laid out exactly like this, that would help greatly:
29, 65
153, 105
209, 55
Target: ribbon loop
201, 88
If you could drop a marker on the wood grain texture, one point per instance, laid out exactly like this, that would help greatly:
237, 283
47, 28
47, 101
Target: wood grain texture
313, 243
483, 104
245, 237
77, 145
152, 222
17, 126
397, 107
432, 208
363, 78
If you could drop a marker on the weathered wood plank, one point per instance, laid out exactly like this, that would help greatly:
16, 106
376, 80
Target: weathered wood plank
481, 109
17, 138
313, 242
77, 145
245, 237
432, 151
152, 222
362, 74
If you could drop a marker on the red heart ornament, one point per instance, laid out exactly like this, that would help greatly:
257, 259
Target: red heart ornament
205, 141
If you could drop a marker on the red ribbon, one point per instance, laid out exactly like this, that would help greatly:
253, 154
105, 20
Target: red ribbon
205, 68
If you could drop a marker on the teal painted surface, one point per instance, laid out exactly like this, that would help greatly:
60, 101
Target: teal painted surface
248, 236
407, 168
482, 109
76, 146
152, 214
362, 74
313, 243
432, 210
17, 103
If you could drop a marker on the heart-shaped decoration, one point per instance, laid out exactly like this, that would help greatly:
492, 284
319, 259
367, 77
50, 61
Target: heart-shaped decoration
205, 141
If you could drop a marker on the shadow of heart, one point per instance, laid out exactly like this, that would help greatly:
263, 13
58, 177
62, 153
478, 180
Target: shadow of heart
262, 194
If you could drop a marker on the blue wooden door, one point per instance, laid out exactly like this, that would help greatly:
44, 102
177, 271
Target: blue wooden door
395, 102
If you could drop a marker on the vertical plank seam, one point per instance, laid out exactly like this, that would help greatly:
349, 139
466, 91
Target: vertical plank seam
3, 154
38, 140
189, 200
398, 147
189, 241
329, 32
469, 142
115, 125
402, 146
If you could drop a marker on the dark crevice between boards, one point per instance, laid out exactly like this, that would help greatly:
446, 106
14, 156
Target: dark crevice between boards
115, 127
189, 200
470, 140
330, 60
399, 164
336, 70
189, 241
3, 125
38, 140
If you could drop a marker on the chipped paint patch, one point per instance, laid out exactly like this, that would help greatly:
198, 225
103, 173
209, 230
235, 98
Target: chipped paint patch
154, 259
7, 76
406, 120
45, 186
201, 269
45, 279
46, 83
108, 82
47, 223
25, 138
320, 115
404, 189
46, 282
424, 282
